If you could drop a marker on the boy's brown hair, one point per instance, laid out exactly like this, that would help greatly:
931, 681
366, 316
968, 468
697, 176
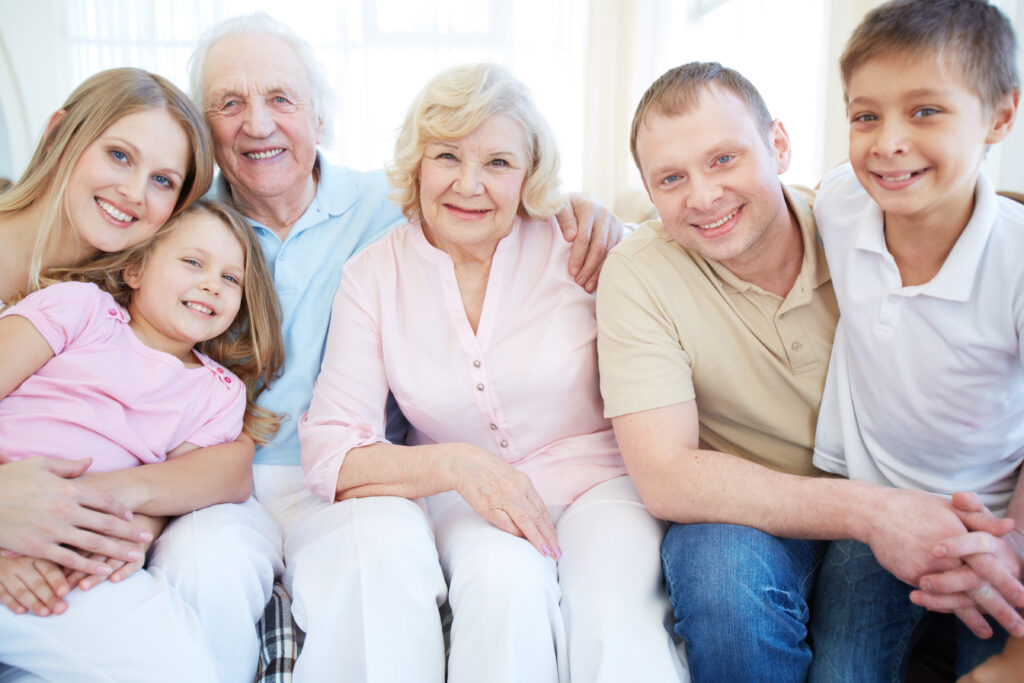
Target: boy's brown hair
972, 34
677, 90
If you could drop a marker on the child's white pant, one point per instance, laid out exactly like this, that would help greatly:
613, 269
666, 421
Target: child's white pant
136, 630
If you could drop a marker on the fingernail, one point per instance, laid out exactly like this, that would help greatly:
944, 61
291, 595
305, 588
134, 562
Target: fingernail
145, 536
103, 569
545, 549
558, 553
939, 551
927, 585
59, 609
134, 555
574, 271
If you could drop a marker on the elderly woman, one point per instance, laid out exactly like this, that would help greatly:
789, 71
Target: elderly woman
467, 317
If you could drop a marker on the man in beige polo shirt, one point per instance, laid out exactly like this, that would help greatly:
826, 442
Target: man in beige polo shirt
716, 324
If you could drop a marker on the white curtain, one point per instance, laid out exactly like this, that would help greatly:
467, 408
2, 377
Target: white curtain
586, 61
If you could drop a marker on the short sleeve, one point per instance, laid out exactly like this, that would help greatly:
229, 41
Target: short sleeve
63, 312
224, 412
642, 361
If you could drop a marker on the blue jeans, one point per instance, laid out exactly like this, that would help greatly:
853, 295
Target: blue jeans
865, 627
740, 598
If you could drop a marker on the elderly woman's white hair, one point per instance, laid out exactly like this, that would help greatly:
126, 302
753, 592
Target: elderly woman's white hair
451, 106
261, 23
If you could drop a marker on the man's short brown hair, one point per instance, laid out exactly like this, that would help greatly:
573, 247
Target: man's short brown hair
972, 34
678, 89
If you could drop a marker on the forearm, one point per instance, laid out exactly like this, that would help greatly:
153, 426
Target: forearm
187, 482
384, 469
701, 486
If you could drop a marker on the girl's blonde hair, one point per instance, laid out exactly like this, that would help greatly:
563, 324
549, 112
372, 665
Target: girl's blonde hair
251, 347
451, 106
95, 105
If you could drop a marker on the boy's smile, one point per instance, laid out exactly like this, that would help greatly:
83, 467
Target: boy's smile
918, 135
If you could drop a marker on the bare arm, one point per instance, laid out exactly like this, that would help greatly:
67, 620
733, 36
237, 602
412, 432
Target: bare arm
681, 483
190, 478
44, 506
501, 494
593, 231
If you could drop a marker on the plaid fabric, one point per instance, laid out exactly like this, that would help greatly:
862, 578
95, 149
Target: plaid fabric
280, 639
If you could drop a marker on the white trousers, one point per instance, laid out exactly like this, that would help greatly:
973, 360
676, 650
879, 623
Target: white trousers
138, 629
598, 614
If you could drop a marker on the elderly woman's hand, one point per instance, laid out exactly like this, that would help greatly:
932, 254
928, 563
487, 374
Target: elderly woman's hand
504, 496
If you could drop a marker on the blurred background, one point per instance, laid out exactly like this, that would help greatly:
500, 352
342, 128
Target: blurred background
586, 61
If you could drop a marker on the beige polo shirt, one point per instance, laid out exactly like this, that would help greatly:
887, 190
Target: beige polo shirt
674, 327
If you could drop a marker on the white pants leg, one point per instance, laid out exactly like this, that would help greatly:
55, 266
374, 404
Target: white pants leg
366, 587
506, 626
222, 560
613, 595
138, 629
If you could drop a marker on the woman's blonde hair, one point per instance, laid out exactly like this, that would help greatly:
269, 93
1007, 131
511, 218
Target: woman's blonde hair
451, 106
95, 105
251, 347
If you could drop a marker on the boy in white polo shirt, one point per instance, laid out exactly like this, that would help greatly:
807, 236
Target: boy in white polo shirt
925, 387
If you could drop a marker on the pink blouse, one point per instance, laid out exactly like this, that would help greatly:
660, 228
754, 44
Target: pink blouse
525, 386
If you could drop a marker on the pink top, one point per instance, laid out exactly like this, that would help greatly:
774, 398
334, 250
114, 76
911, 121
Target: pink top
524, 386
107, 395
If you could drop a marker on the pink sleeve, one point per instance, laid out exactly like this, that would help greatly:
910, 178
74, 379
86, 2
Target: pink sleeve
226, 411
63, 312
348, 406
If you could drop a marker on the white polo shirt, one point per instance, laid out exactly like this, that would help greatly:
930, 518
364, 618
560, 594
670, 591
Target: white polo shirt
925, 386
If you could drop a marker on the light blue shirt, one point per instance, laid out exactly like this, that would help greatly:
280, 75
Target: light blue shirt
350, 210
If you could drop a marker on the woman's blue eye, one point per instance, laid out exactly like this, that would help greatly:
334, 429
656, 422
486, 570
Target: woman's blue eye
724, 159
499, 162
446, 155
119, 155
163, 180
191, 262
231, 278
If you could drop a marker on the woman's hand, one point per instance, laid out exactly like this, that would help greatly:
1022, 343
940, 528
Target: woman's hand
44, 508
504, 496
119, 569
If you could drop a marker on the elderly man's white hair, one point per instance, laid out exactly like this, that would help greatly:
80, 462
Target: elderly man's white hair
261, 23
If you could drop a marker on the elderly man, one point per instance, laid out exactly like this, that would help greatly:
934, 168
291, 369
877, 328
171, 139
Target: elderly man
715, 326
265, 100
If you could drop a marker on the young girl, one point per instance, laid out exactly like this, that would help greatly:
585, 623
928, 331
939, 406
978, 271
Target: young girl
158, 350
125, 152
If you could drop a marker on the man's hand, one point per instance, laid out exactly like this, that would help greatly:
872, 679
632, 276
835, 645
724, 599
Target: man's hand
989, 578
593, 231
43, 508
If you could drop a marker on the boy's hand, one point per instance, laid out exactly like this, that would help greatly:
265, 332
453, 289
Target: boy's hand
32, 584
989, 579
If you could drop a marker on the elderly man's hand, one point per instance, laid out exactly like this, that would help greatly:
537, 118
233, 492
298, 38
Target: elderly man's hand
505, 497
593, 231
43, 508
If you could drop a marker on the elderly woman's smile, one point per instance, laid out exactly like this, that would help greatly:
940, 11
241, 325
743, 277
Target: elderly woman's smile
471, 187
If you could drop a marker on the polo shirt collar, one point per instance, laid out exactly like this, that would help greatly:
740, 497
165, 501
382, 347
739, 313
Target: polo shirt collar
335, 194
813, 269
956, 277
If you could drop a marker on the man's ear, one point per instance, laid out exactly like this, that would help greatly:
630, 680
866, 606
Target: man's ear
1003, 117
778, 142
55, 120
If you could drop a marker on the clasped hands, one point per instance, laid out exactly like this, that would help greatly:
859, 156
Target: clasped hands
984, 574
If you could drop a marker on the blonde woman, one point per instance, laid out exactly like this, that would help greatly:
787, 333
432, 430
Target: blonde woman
531, 527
